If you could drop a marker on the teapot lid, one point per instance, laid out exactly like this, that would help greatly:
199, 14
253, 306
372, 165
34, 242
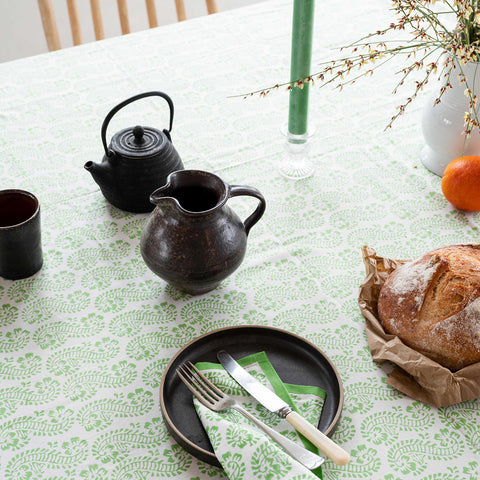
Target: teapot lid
138, 142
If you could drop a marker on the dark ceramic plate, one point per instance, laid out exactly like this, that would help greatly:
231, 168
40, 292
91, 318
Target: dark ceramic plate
295, 359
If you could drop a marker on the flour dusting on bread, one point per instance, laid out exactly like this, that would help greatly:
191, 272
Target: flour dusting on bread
413, 276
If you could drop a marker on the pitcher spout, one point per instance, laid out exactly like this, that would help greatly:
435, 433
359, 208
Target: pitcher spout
160, 194
167, 191
193, 192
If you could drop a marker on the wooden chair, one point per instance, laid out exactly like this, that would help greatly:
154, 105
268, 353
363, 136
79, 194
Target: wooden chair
50, 24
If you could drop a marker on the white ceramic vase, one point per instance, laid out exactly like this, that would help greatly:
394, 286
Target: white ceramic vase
443, 124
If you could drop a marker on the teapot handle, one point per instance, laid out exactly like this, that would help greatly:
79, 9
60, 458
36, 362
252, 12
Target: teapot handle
236, 190
125, 103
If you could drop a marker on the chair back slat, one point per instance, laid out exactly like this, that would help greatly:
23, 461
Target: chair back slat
123, 14
212, 6
97, 19
74, 22
152, 14
49, 24
181, 12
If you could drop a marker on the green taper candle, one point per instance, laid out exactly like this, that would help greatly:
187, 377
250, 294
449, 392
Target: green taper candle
302, 31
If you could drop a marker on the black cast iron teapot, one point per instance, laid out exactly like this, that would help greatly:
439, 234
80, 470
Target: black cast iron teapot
137, 162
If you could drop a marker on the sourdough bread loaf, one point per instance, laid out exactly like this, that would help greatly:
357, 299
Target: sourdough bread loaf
433, 305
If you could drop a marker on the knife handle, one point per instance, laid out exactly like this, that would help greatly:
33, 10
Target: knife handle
319, 439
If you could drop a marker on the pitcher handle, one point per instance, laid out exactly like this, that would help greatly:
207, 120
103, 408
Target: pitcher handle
237, 190
124, 104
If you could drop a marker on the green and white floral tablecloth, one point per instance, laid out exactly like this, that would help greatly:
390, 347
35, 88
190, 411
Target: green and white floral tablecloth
83, 343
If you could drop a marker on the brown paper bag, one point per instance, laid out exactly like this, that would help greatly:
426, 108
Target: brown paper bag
415, 374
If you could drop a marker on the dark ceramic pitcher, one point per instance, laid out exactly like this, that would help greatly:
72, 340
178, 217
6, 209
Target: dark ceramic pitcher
192, 239
136, 163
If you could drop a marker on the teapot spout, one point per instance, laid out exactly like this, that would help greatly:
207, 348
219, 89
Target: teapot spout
98, 171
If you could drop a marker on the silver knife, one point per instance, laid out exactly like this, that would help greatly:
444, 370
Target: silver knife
275, 404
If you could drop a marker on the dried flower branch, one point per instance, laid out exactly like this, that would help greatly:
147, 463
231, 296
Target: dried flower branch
430, 41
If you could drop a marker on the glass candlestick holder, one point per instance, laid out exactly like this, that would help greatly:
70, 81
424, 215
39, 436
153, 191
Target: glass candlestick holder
295, 162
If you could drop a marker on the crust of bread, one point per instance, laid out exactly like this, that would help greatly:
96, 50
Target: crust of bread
433, 305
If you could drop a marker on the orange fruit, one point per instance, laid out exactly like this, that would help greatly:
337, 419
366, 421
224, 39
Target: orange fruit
461, 183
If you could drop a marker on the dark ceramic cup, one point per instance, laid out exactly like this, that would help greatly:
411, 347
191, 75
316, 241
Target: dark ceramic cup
20, 236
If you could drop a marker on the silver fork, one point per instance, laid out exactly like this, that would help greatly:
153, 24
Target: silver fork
213, 398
